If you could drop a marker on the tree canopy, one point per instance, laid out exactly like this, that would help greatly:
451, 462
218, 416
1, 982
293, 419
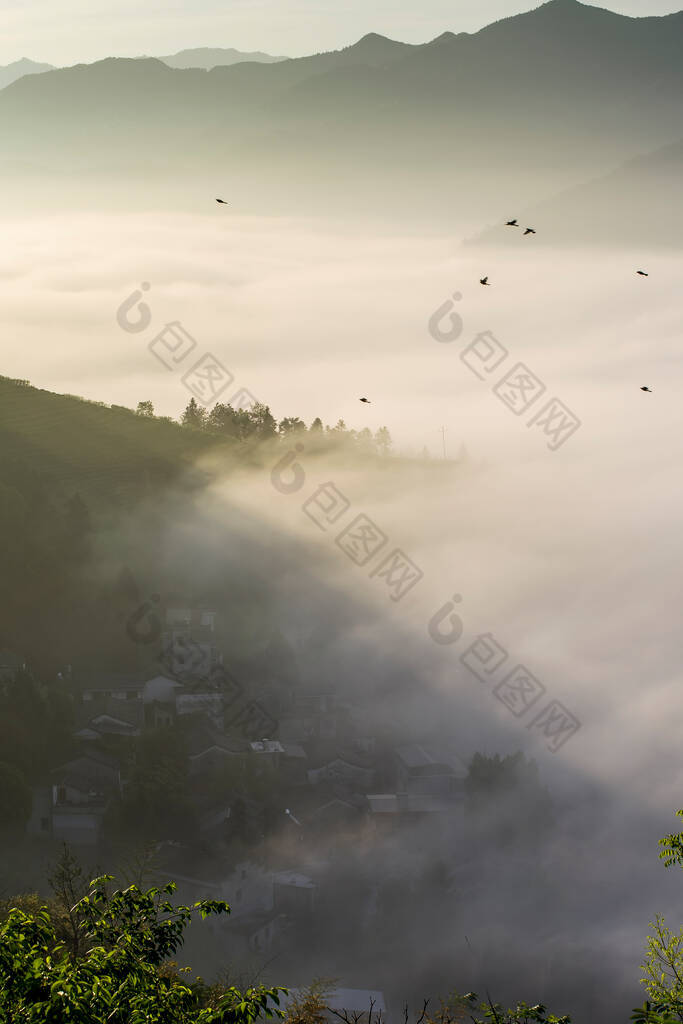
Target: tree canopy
259, 424
121, 972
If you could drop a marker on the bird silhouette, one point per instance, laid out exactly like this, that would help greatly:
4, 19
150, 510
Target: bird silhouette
530, 231
647, 389
484, 280
365, 400
222, 201
512, 223
642, 273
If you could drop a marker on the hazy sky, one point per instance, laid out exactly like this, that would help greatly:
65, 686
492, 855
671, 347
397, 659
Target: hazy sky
88, 30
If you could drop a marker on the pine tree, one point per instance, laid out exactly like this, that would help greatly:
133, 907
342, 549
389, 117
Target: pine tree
383, 440
265, 426
194, 416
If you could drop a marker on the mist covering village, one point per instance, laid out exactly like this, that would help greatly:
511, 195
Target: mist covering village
340, 503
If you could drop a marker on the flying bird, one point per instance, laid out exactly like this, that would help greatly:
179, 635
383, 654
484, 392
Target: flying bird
512, 223
647, 389
642, 273
484, 280
222, 201
530, 231
365, 400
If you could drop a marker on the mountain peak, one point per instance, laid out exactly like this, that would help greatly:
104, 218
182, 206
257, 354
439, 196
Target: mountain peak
557, 16
375, 47
573, 7
373, 39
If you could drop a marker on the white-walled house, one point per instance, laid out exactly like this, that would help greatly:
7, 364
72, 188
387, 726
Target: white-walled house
294, 893
248, 889
161, 688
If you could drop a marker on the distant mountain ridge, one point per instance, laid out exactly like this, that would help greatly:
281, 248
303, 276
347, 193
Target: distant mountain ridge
636, 204
207, 57
11, 72
202, 57
528, 106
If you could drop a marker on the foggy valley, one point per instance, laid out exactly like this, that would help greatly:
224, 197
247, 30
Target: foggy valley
340, 495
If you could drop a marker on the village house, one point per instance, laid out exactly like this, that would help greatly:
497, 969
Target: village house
338, 813
323, 809
81, 792
79, 824
160, 714
125, 704
100, 686
294, 893
391, 811
248, 889
210, 705
95, 770
116, 717
208, 748
258, 933
161, 690
266, 756
349, 766
419, 772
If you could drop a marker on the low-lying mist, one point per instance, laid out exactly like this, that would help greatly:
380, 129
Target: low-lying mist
568, 557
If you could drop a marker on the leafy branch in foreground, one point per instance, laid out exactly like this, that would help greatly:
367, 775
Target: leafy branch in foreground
128, 936
672, 846
663, 964
521, 1014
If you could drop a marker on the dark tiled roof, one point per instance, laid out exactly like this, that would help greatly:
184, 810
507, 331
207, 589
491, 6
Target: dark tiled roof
112, 681
202, 736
